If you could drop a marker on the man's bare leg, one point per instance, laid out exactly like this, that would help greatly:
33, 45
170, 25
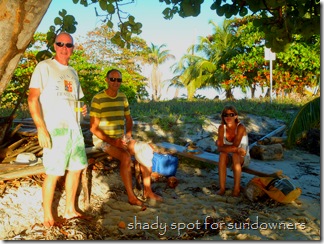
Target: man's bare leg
71, 185
126, 175
48, 190
148, 193
125, 172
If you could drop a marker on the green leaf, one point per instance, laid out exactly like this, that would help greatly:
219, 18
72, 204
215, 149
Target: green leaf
42, 55
58, 21
62, 13
220, 11
84, 3
52, 28
116, 39
307, 118
110, 24
103, 5
131, 20
69, 20
110, 8
243, 11
187, 8
167, 13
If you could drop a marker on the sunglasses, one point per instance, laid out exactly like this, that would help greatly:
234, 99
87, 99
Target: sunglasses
229, 115
116, 79
61, 44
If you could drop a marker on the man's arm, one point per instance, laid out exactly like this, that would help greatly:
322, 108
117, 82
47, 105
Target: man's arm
37, 115
129, 125
98, 132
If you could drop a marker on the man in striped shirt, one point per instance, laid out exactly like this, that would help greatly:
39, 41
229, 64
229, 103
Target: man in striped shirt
111, 124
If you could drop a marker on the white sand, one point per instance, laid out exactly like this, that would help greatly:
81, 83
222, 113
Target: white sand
184, 208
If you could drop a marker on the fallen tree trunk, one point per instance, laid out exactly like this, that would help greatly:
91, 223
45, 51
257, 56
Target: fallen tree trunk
9, 171
273, 133
272, 140
267, 152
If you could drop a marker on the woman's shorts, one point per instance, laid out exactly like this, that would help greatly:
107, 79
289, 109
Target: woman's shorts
67, 152
246, 160
143, 153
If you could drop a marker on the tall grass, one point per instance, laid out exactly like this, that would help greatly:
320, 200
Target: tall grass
282, 109
172, 111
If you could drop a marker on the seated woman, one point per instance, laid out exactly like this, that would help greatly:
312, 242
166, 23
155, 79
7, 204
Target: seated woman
233, 149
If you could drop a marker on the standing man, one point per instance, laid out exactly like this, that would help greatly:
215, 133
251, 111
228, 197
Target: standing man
110, 119
54, 88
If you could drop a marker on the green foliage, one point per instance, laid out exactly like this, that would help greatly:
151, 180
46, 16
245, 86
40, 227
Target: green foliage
16, 89
233, 56
280, 20
166, 122
91, 77
126, 28
196, 111
307, 117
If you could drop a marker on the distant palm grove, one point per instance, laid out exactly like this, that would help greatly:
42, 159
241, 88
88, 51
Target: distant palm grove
232, 56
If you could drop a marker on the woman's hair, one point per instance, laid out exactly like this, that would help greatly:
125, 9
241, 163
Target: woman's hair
231, 108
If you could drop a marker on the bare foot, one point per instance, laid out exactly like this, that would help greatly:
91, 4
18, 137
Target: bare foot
220, 192
136, 202
236, 193
154, 197
48, 223
76, 214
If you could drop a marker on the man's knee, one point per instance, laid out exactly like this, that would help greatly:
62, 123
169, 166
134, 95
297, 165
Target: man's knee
125, 159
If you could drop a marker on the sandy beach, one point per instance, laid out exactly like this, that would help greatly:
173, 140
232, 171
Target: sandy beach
191, 211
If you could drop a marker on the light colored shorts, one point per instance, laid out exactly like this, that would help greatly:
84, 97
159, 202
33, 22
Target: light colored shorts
67, 152
246, 161
102, 145
143, 153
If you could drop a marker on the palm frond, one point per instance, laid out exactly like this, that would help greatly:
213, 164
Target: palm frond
307, 118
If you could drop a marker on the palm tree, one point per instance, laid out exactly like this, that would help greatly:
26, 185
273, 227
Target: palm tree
204, 69
308, 117
157, 56
194, 72
224, 46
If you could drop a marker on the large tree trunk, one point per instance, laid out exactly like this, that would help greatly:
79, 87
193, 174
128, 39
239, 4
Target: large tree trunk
253, 89
156, 83
229, 94
19, 20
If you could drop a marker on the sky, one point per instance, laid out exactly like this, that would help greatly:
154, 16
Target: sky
178, 34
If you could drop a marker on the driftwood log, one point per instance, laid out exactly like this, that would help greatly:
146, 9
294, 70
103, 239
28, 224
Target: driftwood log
267, 152
269, 147
272, 140
274, 133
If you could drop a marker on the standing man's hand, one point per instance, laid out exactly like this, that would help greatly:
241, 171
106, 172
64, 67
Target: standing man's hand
84, 110
44, 138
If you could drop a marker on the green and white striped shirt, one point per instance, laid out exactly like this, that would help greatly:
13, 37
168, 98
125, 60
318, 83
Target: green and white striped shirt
111, 111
